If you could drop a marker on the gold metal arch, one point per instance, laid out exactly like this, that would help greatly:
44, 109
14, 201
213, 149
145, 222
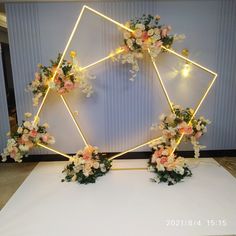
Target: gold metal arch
107, 58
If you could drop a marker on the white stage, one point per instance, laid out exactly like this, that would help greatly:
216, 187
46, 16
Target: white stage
124, 203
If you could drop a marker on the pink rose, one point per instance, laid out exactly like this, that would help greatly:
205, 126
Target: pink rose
144, 36
164, 32
163, 159
159, 43
86, 157
68, 85
37, 76
57, 81
45, 138
198, 134
33, 133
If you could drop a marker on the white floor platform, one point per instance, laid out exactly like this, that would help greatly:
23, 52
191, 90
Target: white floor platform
122, 203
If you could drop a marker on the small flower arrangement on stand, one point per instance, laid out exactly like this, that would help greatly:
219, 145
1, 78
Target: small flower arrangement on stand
86, 166
167, 165
26, 137
68, 77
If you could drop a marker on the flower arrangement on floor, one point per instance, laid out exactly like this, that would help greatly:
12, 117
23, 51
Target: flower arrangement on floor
68, 77
86, 166
25, 138
168, 166
148, 35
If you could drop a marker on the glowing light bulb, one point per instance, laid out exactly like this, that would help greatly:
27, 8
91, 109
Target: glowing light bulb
186, 69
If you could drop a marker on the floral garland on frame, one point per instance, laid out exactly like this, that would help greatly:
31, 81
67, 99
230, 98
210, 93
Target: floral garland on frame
68, 77
168, 166
148, 35
86, 166
26, 137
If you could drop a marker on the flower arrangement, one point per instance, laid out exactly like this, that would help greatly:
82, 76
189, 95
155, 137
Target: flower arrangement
67, 78
26, 137
86, 166
167, 165
148, 35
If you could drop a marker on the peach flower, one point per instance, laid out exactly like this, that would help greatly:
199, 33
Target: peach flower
69, 85
61, 90
24, 138
184, 128
29, 144
158, 153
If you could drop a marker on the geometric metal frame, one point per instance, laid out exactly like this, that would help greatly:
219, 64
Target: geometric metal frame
104, 59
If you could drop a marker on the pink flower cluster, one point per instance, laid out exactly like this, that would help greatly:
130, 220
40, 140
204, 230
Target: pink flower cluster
24, 139
62, 83
163, 160
86, 161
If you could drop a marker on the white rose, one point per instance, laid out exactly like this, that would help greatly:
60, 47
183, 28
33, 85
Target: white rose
51, 140
127, 35
102, 168
24, 148
179, 170
129, 43
86, 173
46, 125
156, 38
160, 167
140, 26
27, 125
96, 165
162, 117
139, 41
157, 31
138, 33
28, 114
150, 32
74, 178
165, 153
19, 130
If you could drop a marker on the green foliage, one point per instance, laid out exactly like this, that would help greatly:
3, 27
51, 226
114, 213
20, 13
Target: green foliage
171, 177
81, 178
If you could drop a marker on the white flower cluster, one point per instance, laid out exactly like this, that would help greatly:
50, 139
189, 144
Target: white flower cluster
26, 137
83, 78
86, 166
